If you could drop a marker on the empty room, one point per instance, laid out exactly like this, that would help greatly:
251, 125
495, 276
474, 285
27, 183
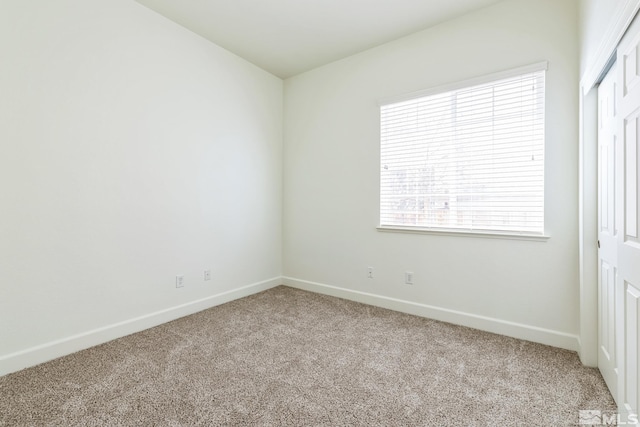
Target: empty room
294, 212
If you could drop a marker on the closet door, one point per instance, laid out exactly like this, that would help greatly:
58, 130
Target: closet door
607, 231
627, 209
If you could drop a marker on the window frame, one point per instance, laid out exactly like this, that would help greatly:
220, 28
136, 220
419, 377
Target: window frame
443, 231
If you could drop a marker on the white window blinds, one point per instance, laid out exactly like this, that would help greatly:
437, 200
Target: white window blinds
470, 159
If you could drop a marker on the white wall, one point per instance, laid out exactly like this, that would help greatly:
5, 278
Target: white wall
131, 150
522, 288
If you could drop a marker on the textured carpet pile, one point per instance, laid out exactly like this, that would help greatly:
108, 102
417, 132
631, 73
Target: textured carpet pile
286, 357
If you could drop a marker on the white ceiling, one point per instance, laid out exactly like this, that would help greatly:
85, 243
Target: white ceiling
287, 37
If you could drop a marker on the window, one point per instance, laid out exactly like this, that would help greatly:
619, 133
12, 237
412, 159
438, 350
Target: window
467, 158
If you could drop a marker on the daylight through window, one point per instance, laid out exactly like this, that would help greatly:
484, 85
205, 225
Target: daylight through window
469, 159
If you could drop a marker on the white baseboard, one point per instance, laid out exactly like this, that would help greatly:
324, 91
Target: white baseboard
42, 353
497, 326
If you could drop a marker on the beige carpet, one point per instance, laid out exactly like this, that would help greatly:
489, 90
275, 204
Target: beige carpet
287, 357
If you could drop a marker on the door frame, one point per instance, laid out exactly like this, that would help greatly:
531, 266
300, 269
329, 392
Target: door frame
588, 180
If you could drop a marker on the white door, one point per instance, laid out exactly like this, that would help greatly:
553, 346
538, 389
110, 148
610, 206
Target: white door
628, 219
607, 230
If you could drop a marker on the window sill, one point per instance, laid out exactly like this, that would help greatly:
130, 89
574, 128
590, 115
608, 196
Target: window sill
464, 233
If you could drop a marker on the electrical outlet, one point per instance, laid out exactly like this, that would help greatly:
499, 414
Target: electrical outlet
207, 275
180, 281
408, 277
369, 272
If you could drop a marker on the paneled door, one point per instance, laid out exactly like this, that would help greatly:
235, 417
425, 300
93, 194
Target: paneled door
607, 231
628, 219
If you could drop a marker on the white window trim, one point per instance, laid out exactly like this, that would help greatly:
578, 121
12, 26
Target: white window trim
490, 234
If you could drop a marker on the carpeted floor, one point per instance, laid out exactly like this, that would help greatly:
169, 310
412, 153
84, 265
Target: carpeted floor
288, 357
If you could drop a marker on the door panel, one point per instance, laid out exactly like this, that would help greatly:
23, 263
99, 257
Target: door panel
632, 318
628, 243
607, 228
631, 69
607, 318
631, 177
